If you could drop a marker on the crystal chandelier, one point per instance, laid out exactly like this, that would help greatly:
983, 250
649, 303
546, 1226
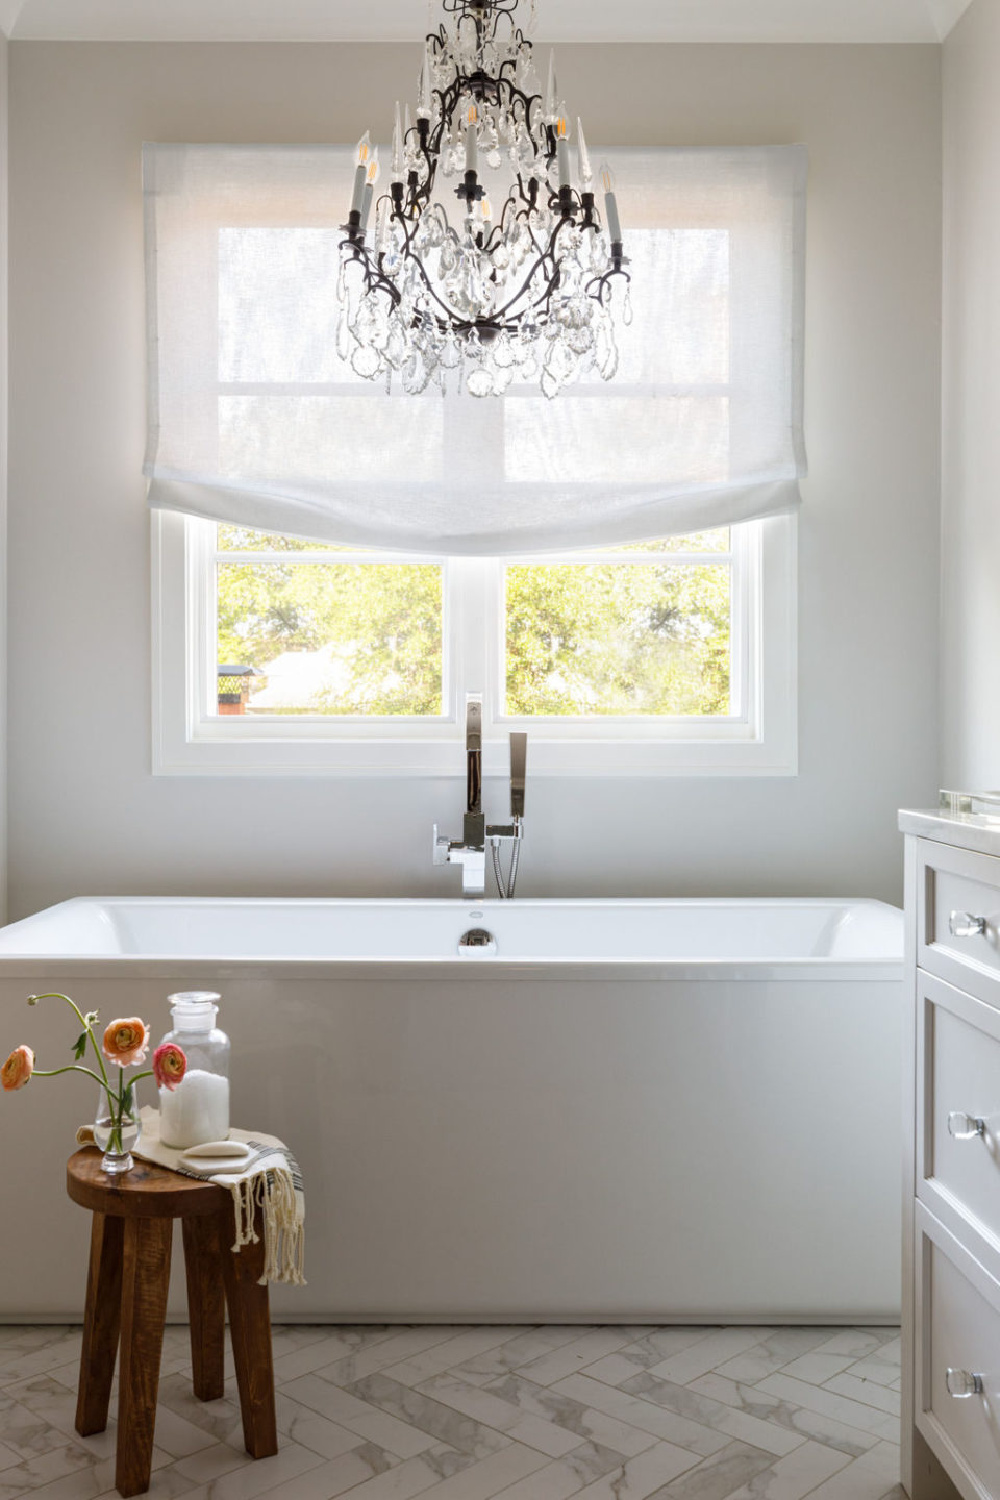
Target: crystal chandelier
522, 291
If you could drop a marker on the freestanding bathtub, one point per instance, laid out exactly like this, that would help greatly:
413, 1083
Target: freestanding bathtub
647, 1111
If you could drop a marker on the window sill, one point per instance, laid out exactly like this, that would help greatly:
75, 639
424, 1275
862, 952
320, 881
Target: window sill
441, 758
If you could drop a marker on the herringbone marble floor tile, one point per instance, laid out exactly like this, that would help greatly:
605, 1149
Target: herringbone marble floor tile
490, 1413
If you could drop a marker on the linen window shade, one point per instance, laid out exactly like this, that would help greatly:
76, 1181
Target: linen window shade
255, 419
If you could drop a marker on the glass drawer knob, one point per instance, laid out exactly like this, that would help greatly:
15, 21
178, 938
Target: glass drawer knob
965, 1127
962, 1383
964, 924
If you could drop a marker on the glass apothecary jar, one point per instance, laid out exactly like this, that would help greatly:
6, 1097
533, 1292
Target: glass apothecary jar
196, 1110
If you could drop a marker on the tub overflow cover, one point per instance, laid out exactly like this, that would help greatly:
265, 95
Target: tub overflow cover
477, 939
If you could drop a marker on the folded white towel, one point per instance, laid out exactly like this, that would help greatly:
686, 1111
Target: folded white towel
259, 1170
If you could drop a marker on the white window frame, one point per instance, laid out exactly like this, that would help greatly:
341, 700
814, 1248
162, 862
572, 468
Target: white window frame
758, 739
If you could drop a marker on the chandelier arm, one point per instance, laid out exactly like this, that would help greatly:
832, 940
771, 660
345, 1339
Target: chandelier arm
545, 298
543, 254
552, 281
375, 279
603, 283
416, 260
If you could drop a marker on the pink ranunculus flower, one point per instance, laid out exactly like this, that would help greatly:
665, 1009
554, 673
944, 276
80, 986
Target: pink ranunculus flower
17, 1069
169, 1065
125, 1042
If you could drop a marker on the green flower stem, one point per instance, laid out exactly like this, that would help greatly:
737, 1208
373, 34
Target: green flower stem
115, 1139
88, 1028
73, 1068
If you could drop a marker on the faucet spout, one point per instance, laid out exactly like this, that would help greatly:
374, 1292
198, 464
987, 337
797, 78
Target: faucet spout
518, 773
474, 753
474, 828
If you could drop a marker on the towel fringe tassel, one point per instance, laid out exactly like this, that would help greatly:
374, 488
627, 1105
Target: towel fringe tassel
284, 1237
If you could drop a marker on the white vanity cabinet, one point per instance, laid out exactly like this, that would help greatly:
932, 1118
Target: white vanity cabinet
951, 1204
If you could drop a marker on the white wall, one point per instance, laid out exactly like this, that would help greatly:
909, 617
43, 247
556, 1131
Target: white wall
87, 816
4, 154
970, 531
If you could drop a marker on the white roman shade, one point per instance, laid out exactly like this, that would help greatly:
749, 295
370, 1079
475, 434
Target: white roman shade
254, 419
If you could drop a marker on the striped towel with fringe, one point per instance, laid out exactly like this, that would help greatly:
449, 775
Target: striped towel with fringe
267, 1177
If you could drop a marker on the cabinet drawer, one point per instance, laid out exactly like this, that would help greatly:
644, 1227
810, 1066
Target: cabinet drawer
958, 934
958, 1105
958, 1347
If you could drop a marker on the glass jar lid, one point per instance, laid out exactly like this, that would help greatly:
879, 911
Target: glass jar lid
194, 1010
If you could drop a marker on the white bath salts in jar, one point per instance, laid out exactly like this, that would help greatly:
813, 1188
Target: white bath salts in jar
196, 1110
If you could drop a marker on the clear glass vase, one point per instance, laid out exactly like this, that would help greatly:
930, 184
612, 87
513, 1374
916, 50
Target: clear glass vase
115, 1133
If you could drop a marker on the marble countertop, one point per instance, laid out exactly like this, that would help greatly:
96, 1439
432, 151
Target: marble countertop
974, 831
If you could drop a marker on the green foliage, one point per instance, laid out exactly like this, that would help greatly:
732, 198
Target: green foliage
382, 623
243, 539
641, 637
604, 639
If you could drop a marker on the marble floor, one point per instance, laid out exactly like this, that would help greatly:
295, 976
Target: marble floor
469, 1413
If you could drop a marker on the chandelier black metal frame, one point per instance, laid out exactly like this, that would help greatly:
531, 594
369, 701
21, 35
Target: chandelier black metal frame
524, 295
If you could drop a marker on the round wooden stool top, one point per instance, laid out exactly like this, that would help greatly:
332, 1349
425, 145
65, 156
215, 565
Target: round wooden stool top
147, 1192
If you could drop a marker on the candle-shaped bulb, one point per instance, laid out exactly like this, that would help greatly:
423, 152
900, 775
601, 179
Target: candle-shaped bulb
551, 106
371, 177
360, 172
487, 208
586, 173
472, 139
562, 150
397, 147
611, 204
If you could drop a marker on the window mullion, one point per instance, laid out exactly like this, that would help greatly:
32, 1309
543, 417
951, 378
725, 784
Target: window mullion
202, 619
466, 592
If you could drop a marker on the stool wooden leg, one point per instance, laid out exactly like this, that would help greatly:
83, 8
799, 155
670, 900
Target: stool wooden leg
101, 1322
250, 1331
206, 1306
145, 1279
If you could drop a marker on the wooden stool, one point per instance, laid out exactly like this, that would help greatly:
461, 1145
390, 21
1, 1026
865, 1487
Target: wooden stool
127, 1295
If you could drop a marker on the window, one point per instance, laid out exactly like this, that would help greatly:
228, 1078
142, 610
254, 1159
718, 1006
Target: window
272, 654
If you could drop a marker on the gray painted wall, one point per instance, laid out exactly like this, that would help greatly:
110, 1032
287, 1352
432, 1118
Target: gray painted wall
86, 816
970, 531
4, 260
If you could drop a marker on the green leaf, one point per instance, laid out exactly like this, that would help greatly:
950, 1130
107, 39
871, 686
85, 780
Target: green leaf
127, 1100
80, 1045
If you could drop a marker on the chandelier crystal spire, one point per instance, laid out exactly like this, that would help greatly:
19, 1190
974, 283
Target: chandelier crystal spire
517, 281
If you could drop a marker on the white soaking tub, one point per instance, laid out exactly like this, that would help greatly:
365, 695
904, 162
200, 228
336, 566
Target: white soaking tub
650, 1111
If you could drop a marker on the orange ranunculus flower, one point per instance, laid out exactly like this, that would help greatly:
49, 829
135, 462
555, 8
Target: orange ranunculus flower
125, 1042
169, 1065
17, 1069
